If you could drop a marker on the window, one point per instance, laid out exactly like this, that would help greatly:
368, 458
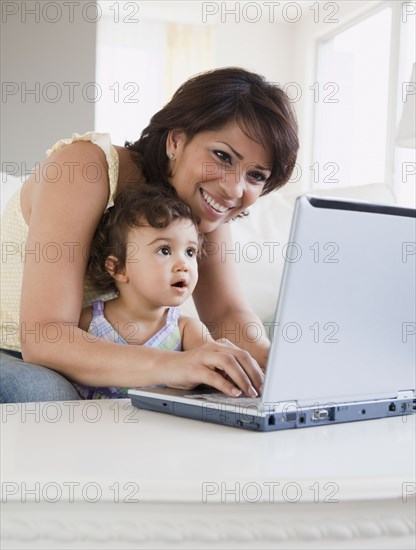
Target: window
405, 157
351, 114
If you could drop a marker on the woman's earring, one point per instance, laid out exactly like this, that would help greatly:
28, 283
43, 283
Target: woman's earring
170, 156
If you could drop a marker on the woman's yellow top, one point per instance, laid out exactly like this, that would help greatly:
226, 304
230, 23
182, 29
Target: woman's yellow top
13, 236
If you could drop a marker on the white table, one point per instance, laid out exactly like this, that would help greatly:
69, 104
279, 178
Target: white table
102, 474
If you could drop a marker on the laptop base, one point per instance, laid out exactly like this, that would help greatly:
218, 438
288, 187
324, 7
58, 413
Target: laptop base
290, 416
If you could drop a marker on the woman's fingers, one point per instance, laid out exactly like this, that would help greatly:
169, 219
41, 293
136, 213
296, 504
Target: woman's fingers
236, 366
220, 365
219, 382
253, 376
226, 366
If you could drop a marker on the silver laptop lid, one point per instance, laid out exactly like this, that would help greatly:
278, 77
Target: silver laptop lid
344, 328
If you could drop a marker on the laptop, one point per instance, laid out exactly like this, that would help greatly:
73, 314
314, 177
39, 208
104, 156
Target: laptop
343, 338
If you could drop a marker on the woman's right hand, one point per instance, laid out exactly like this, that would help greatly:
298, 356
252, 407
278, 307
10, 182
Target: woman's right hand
219, 364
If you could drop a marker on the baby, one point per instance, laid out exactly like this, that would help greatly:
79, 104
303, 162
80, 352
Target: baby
145, 250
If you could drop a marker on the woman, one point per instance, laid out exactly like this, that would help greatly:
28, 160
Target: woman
225, 138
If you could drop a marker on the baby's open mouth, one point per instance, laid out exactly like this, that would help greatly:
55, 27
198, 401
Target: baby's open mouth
180, 284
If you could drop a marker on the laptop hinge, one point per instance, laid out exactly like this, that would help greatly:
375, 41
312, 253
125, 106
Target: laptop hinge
405, 394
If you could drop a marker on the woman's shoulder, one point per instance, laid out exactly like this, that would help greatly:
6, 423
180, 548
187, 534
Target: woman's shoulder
74, 163
92, 151
91, 157
102, 140
76, 154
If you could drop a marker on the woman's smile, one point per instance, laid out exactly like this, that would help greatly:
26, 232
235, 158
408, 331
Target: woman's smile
214, 203
219, 173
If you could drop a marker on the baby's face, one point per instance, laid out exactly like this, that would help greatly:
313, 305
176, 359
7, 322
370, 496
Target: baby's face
161, 264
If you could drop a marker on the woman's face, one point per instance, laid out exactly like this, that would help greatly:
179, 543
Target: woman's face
219, 173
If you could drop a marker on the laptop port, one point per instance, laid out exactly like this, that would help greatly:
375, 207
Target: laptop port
272, 420
320, 414
323, 414
392, 407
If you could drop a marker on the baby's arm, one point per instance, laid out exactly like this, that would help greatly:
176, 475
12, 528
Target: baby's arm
194, 333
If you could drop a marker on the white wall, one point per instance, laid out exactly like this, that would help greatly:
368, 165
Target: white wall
42, 55
263, 47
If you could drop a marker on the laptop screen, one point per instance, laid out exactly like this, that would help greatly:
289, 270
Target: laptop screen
344, 327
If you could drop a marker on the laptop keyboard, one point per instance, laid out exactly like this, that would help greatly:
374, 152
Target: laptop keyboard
218, 397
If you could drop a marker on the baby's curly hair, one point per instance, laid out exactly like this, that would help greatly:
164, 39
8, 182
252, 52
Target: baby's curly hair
138, 206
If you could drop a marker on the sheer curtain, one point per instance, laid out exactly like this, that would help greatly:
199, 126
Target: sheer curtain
189, 51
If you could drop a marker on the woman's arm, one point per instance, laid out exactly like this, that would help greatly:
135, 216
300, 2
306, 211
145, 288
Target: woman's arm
63, 214
220, 300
